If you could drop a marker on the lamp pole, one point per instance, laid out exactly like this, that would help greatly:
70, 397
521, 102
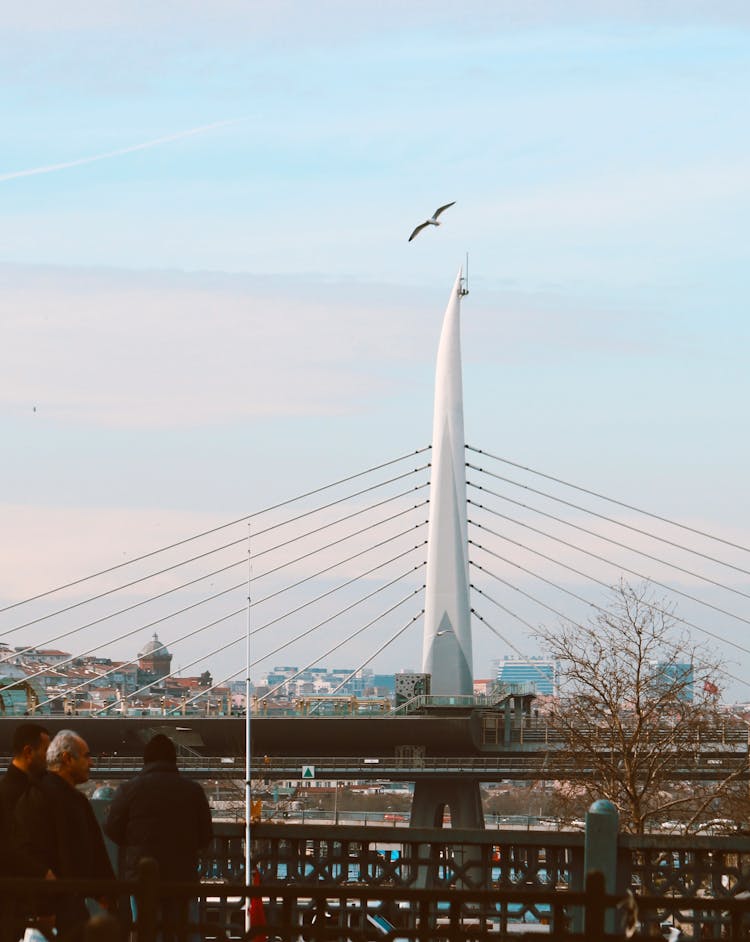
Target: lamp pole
248, 751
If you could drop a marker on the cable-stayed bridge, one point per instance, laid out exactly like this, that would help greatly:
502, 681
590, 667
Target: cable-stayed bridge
452, 540
345, 565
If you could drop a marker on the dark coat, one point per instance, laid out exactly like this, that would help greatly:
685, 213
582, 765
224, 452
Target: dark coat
60, 829
14, 859
163, 815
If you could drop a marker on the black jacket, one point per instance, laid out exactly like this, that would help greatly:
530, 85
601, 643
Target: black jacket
59, 828
163, 815
14, 859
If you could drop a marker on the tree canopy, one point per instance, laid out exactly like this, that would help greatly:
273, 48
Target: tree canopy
638, 701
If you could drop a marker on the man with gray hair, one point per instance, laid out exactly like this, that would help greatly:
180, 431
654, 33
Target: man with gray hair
60, 828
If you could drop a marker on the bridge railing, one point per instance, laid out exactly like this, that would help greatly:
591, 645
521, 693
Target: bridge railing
320, 912
670, 870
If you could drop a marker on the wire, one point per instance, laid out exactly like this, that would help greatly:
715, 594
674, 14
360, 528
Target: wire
607, 539
343, 539
559, 614
341, 562
224, 526
132, 631
526, 595
375, 653
127, 585
340, 644
260, 628
654, 608
209, 598
501, 637
609, 562
611, 500
123, 611
192, 559
334, 503
599, 516
121, 664
343, 585
536, 575
306, 632
130, 608
292, 641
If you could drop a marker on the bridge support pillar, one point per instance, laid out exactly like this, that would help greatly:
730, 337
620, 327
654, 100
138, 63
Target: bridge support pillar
464, 801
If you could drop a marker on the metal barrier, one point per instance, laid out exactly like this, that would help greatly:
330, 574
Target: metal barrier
323, 912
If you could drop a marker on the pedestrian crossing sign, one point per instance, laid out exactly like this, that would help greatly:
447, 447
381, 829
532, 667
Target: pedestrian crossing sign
308, 771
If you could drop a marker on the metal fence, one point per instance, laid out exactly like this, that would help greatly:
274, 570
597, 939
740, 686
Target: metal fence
299, 912
355, 883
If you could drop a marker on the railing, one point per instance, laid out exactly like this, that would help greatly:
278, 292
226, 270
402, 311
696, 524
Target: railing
522, 766
315, 912
673, 871
496, 695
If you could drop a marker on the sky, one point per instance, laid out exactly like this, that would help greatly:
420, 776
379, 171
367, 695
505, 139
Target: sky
208, 302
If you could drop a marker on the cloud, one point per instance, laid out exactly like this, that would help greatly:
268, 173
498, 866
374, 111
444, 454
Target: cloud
621, 197
171, 350
151, 349
146, 145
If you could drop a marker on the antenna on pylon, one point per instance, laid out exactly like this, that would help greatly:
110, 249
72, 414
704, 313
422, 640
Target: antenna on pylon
464, 286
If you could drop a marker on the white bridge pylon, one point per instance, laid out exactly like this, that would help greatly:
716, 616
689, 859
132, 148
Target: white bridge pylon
446, 649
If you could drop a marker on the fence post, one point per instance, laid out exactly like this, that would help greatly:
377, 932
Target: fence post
600, 849
595, 910
147, 899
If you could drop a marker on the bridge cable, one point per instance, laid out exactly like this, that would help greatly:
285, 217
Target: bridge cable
237, 640
268, 624
609, 562
611, 500
255, 631
599, 516
572, 621
124, 611
341, 500
265, 657
119, 666
133, 631
192, 559
554, 585
209, 598
341, 644
375, 653
343, 539
341, 562
224, 526
510, 644
607, 539
578, 572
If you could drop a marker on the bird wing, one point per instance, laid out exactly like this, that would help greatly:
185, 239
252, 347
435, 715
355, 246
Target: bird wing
418, 230
442, 209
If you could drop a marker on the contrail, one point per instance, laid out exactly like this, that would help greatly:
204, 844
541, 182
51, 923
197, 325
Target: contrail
51, 168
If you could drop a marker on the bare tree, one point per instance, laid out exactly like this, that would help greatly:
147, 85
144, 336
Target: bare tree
637, 709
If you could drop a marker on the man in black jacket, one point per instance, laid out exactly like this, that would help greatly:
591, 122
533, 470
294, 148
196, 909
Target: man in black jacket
29, 746
30, 743
58, 826
162, 815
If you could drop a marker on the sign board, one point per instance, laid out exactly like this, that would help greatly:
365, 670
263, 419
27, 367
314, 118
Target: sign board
308, 771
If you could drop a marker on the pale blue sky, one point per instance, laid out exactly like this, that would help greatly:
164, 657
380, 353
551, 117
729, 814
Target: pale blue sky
219, 321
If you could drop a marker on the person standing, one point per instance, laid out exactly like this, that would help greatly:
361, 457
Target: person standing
58, 826
29, 746
165, 816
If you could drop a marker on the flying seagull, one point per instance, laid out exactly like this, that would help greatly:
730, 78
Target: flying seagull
432, 221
